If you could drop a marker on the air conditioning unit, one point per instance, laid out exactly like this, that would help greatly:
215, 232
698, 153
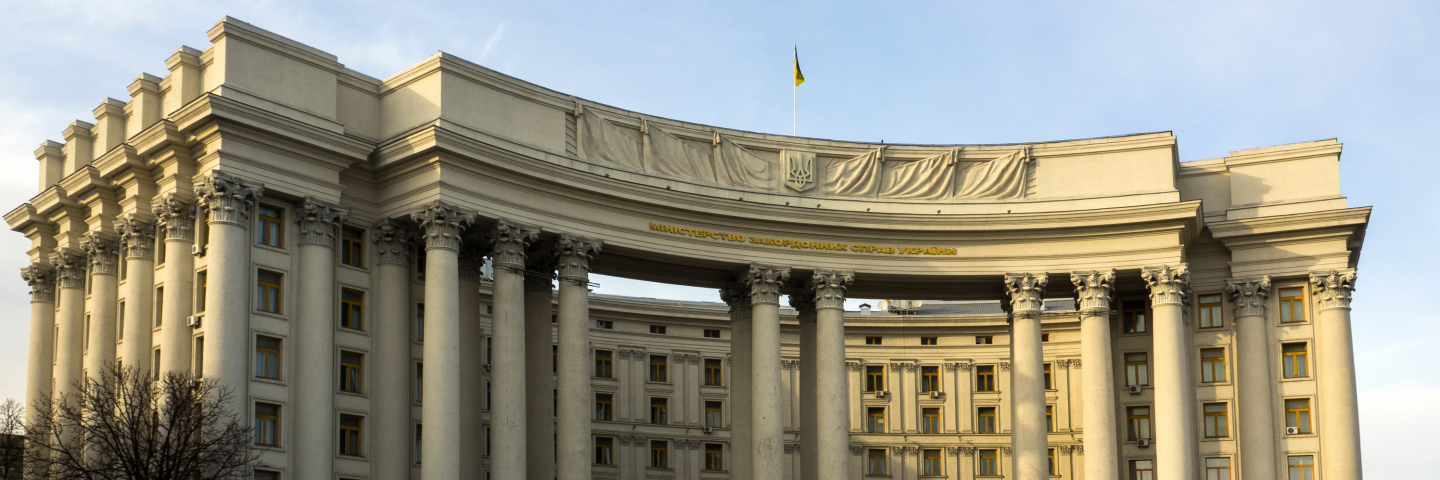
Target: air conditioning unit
197, 250
1143, 443
935, 394
193, 321
881, 394
707, 430
487, 367
1292, 430
1135, 389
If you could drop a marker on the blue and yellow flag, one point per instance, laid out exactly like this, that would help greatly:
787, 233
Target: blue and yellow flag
799, 77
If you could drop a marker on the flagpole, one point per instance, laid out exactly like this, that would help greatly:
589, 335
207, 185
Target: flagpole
795, 101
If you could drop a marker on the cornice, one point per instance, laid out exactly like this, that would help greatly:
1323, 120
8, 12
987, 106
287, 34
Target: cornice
80, 183
118, 160
23, 216
1350, 217
342, 150
1283, 153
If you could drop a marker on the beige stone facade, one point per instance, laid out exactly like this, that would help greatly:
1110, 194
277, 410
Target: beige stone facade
316, 239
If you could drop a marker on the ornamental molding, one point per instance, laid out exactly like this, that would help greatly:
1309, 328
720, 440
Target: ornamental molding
1093, 290
41, 278
857, 450
906, 366
137, 236
1004, 366
1168, 285
634, 354
1027, 293
102, 253
318, 221
791, 448
962, 366
441, 224
1005, 450
1078, 449
1062, 363
1333, 289
510, 240
392, 242
1074, 363
69, 269
572, 258
966, 451
854, 366
737, 296
829, 287
1249, 295
227, 197
789, 364
765, 283
540, 264
176, 216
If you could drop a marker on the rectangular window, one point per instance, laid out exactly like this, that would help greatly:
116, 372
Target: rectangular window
86, 338
198, 354
352, 309
269, 229
875, 420
714, 372
605, 324
267, 357
604, 451
267, 291
989, 463
351, 369
1050, 455
657, 329
1142, 470
1217, 468
1133, 316
659, 368
419, 382
604, 406
264, 475
1044, 338
873, 340
1210, 308
267, 424
659, 411
930, 420
1302, 467
1292, 305
874, 378
202, 283
489, 349
159, 306
931, 463
1212, 365
984, 378
1049, 377
984, 340
419, 263
1297, 414
1217, 420
1139, 420
659, 454
1137, 369
1296, 360
988, 420
352, 246
714, 415
420, 322
160, 243
929, 379
709, 333
1050, 418
714, 456
154, 360
120, 322
418, 444
929, 340
604, 364
351, 435
876, 463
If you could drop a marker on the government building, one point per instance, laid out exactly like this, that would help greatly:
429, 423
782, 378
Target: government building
394, 277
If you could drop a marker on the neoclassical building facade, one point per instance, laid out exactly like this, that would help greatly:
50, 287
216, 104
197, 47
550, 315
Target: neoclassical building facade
394, 276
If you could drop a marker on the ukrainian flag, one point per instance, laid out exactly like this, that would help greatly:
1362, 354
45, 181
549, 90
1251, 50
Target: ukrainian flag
799, 77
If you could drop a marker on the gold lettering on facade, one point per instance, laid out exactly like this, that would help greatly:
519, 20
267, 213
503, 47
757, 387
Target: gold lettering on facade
800, 244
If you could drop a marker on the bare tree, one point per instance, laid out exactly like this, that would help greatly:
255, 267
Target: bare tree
12, 438
127, 426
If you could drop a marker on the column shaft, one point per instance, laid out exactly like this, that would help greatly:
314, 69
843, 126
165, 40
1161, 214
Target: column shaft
1176, 437
1097, 376
507, 385
227, 299
390, 406
441, 225
472, 364
767, 418
539, 367
314, 325
177, 299
1027, 381
1335, 369
139, 297
70, 320
832, 439
100, 352
741, 339
808, 397
573, 359
42, 337
1254, 385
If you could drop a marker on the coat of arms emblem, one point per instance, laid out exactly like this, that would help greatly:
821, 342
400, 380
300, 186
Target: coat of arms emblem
799, 170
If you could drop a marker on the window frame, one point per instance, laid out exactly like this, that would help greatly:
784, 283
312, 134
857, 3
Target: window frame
1137, 473
714, 372
987, 419
985, 378
929, 341
358, 369
1307, 469
1307, 413
1210, 315
659, 370
987, 463
1049, 375
1213, 366
930, 423
1134, 320
352, 310
875, 378
264, 289
1300, 361
1139, 427
1141, 376
984, 339
874, 340
604, 450
659, 411
347, 431
1229, 474
263, 223
660, 454
1217, 423
607, 361
714, 457
1050, 418
714, 414
875, 420
876, 462
279, 356
604, 407
932, 462
259, 422
1288, 305
930, 379
352, 248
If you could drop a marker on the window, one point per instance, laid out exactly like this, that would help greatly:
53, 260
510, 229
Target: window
267, 357
154, 359
352, 246
988, 422
874, 378
420, 322
1133, 317
714, 372
159, 306
714, 456
86, 337
419, 382
714, 415
605, 324
1142, 470
489, 349
930, 462
352, 309
1292, 305
1212, 365
1050, 455
267, 291
929, 340
604, 406
264, 475
659, 368
1049, 377
202, 283
120, 323
604, 451
876, 463
1296, 361
420, 263
1210, 308
267, 424
1139, 420
488, 391
1302, 467
657, 329
711, 333
198, 354
1217, 420
984, 340
1297, 414
989, 463
873, 340
1217, 468
351, 434
659, 454
351, 367
1044, 338
160, 243
1050, 418
875, 420
487, 440
659, 411
604, 363
1137, 371
418, 444
269, 229
929, 379
984, 378
930, 420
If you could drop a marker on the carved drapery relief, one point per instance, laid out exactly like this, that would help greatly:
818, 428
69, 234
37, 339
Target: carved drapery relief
1027, 293
765, 283
1249, 295
441, 224
69, 269
1168, 285
676, 157
540, 263
830, 287
1332, 289
738, 167
102, 252
392, 242
573, 255
931, 178
41, 279
318, 221
228, 197
510, 242
137, 236
176, 216
1093, 289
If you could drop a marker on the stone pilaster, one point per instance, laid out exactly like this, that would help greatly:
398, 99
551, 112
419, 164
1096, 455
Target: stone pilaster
318, 221
1093, 289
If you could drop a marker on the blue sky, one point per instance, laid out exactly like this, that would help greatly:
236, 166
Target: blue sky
1222, 75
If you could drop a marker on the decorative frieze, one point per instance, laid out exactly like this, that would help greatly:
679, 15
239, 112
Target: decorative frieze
1168, 285
962, 366
1074, 363
510, 242
632, 354
441, 225
573, 254
176, 216
228, 198
102, 253
857, 450
830, 286
903, 366
318, 221
1078, 449
1332, 289
137, 236
854, 366
1027, 293
1005, 450
765, 283
789, 364
69, 269
1249, 295
1093, 289
1004, 366
392, 242
41, 278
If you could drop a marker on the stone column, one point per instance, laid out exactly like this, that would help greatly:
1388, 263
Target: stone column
1335, 371
70, 320
472, 361
737, 296
1177, 437
229, 201
1098, 377
573, 359
832, 438
440, 226
1256, 398
1027, 376
390, 397
314, 327
177, 216
803, 301
42, 330
768, 416
507, 372
539, 361
101, 250
137, 240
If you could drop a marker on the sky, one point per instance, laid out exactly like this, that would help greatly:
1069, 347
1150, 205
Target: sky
1222, 75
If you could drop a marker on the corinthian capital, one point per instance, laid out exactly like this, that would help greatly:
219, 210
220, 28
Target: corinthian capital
573, 257
441, 224
392, 242
1168, 285
137, 236
176, 215
41, 279
1332, 289
830, 287
69, 269
803, 301
1093, 290
540, 264
318, 220
228, 197
102, 253
737, 296
511, 240
1248, 295
765, 282
1027, 292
